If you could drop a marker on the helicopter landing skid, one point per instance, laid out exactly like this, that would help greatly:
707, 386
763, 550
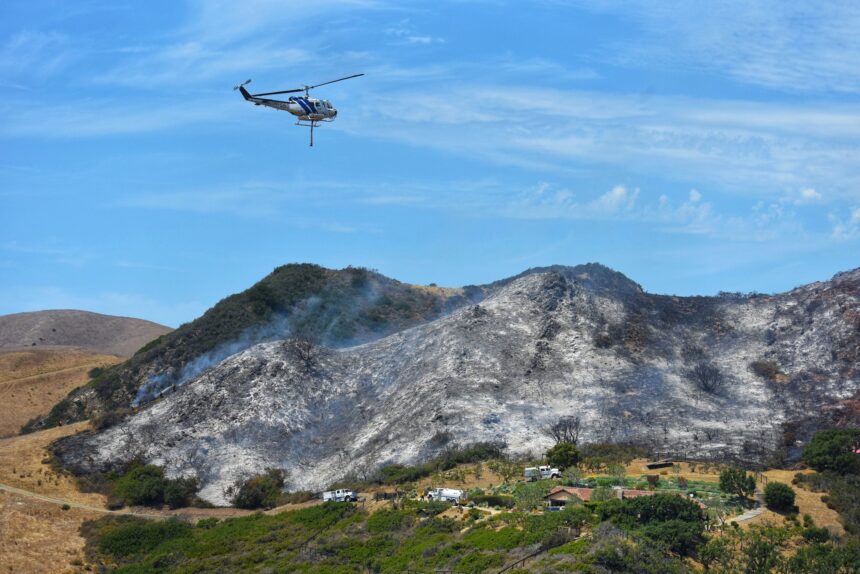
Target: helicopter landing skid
311, 124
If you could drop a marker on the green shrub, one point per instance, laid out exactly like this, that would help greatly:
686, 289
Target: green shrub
833, 450
145, 485
135, 536
816, 535
779, 496
648, 509
141, 485
679, 536
207, 523
489, 539
259, 491
389, 521
478, 563
500, 500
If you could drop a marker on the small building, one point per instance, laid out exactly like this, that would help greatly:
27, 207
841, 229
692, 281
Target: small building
561, 495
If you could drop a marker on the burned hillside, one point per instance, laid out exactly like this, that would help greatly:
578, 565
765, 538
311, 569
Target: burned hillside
732, 376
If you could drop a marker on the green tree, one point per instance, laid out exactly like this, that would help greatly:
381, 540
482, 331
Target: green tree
834, 449
617, 473
505, 468
529, 495
572, 475
260, 491
779, 496
563, 455
716, 552
736, 481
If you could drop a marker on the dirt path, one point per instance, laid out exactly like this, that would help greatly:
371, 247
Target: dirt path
72, 504
87, 366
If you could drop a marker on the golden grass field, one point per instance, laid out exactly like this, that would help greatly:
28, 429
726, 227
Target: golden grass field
33, 381
36, 536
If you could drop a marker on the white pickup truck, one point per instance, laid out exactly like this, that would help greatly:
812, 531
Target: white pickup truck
445, 494
538, 472
340, 495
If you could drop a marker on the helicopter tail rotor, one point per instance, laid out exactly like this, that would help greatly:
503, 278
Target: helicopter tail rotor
245, 83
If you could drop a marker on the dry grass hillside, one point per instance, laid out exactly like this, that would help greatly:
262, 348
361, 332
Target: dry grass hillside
33, 381
37, 536
105, 334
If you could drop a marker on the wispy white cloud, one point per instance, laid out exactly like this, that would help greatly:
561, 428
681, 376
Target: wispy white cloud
789, 46
846, 227
66, 255
33, 53
96, 118
786, 147
404, 33
253, 200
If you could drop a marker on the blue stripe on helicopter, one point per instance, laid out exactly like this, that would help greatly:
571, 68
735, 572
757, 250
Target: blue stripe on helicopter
305, 105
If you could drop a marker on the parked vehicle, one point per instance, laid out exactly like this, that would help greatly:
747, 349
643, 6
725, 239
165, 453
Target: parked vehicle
446, 495
340, 495
538, 472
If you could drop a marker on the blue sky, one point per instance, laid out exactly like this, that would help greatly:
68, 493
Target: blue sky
694, 147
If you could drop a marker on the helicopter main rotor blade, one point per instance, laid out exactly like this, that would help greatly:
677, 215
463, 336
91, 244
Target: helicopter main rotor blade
281, 92
333, 81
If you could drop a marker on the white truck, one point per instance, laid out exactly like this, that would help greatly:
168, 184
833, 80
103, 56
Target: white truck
340, 495
445, 494
538, 472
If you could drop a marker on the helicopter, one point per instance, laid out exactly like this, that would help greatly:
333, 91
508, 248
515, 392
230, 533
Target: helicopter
309, 110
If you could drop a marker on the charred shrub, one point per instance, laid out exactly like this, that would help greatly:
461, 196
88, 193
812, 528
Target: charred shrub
109, 418
707, 378
691, 353
602, 340
765, 369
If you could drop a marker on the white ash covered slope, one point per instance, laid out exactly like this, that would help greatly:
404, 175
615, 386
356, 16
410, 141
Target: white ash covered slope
706, 376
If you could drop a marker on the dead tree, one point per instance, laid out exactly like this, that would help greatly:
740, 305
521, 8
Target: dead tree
565, 429
304, 350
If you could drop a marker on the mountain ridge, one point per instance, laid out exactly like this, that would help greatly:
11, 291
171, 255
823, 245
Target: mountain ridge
741, 377
338, 307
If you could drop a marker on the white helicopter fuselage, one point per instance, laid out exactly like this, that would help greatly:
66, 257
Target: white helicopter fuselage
311, 109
